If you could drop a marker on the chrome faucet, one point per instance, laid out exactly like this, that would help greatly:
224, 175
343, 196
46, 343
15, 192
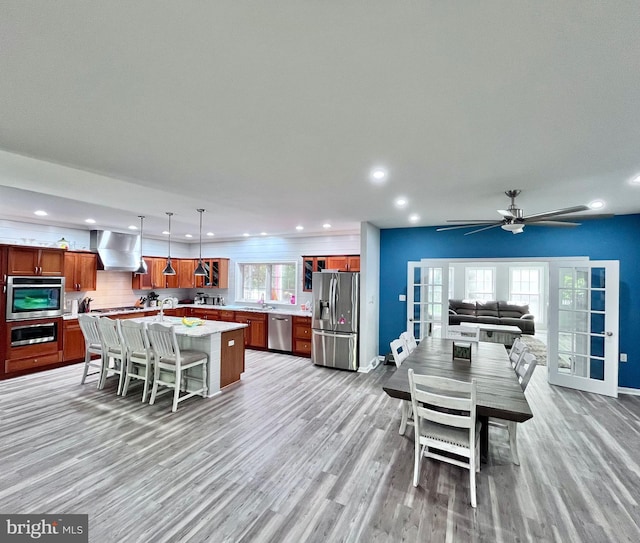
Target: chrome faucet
164, 300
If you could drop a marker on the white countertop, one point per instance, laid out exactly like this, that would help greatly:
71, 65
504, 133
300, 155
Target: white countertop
207, 328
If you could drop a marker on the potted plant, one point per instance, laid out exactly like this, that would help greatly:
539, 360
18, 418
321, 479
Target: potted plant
153, 299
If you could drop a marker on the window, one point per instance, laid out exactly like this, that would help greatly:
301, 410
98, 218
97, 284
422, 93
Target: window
525, 285
268, 281
480, 283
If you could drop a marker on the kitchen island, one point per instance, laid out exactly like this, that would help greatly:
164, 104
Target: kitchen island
222, 341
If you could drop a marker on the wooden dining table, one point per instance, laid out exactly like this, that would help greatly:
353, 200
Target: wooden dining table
498, 390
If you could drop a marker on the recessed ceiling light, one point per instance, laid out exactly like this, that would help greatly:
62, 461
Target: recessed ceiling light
636, 180
188, 236
401, 201
414, 218
596, 204
299, 227
92, 221
246, 234
131, 227
166, 232
378, 175
326, 225
263, 233
40, 213
210, 234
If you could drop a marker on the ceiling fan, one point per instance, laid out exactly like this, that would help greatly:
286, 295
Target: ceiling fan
514, 220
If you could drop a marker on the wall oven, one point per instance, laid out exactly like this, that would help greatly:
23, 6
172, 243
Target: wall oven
30, 334
34, 297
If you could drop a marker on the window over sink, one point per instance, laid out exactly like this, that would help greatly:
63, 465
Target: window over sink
271, 282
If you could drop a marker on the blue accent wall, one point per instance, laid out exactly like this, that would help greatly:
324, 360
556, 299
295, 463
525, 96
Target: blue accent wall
607, 239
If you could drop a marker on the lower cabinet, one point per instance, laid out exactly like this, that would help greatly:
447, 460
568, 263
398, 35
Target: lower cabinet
24, 357
255, 335
72, 341
231, 357
302, 336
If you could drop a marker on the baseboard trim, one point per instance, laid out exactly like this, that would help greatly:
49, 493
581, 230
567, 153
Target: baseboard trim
626, 390
372, 365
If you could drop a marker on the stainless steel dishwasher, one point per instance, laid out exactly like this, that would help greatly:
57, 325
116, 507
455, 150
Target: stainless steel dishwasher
280, 329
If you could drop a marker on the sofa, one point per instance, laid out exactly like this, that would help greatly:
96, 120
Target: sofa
492, 312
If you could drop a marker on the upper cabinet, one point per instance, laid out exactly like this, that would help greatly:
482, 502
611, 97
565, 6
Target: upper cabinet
312, 264
217, 273
142, 281
185, 269
80, 271
35, 261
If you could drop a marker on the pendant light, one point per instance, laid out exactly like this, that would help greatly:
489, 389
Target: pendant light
200, 269
168, 270
142, 268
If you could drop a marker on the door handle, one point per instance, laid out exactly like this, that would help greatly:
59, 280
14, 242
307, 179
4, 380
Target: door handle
609, 334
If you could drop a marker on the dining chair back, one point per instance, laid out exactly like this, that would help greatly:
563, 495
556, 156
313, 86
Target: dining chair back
517, 351
92, 345
409, 341
113, 352
139, 355
400, 353
175, 368
446, 429
525, 368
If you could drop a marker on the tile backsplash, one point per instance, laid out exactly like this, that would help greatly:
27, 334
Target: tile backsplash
113, 289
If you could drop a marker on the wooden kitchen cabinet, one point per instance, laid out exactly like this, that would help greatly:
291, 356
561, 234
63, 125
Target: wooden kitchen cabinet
23, 358
218, 273
311, 264
302, 336
80, 271
185, 268
349, 263
231, 357
143, 281
73, 347
35, 261
255, 335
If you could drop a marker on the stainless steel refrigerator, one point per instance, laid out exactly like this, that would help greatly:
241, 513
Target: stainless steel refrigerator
335, 319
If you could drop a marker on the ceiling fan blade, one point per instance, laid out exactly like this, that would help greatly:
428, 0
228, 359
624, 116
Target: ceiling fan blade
547, 214
442, 229
506, 214
485, 228
581, 218
553, 223
468, 221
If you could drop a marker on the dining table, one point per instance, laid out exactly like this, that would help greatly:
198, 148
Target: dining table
498, 395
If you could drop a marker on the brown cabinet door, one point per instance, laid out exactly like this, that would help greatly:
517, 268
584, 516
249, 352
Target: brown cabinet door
142, 281
339, 263
70, 272
51, 262
302, 336
185, 268
218, 269
353, 263
231, 357
22, 261
255, 335
80, 271
72, 341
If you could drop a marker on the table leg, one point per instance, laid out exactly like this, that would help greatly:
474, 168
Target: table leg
484, 439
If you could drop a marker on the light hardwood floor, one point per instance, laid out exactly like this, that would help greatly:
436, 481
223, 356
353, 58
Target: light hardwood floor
302, 453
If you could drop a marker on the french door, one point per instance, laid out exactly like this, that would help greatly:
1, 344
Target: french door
583, 325
427, 298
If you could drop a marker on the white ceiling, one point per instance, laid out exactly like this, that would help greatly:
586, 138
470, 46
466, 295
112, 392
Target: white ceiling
272, 114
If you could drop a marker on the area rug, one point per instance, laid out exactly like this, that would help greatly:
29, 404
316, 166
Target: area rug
537, 347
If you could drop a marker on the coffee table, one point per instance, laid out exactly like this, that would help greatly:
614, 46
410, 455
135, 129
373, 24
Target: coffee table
496, 333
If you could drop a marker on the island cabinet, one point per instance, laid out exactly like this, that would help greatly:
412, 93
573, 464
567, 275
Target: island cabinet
72, 341
80, 271
302, 336
255, 335
231, 357
35, 261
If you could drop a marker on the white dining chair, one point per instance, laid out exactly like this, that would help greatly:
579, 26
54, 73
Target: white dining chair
139, 355
113, 352
444, 414
517, 351
400, 354
524, 370
92, 345
171, 365
409, 341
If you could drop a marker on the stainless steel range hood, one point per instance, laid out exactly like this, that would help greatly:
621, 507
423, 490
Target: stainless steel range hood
116, 251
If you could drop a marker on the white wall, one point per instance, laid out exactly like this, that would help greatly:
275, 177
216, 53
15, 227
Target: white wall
369, 295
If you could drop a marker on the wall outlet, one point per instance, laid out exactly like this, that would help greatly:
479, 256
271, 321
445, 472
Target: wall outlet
623, 357
402, 297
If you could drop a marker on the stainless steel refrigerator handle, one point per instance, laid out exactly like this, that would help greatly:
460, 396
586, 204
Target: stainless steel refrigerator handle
332, 301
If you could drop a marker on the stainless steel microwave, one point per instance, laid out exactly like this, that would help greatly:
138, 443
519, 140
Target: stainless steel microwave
34, 297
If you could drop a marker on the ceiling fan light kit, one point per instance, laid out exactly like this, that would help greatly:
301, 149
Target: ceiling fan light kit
514, 220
